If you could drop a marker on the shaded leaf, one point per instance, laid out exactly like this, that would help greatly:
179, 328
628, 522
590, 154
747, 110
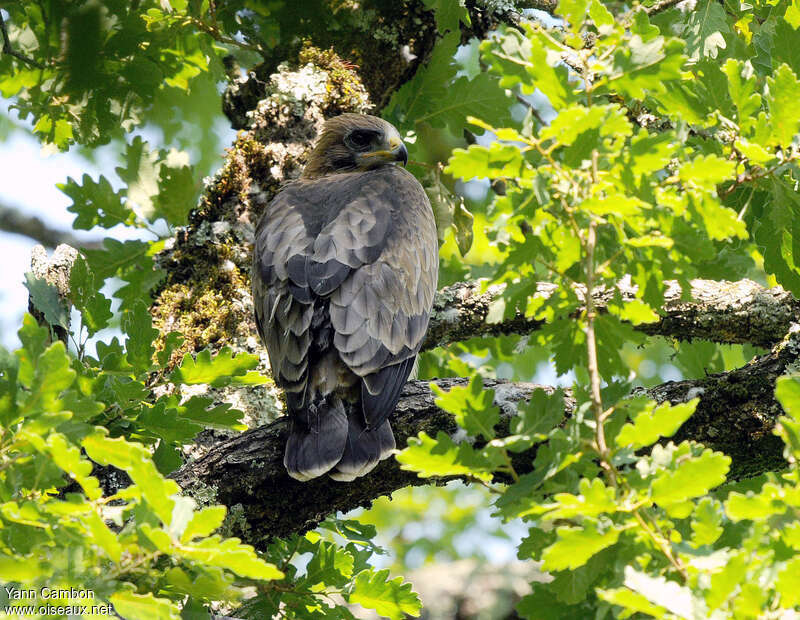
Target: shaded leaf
94, 307
46, 300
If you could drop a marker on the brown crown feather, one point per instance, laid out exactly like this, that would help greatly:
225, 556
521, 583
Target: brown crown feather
331, 147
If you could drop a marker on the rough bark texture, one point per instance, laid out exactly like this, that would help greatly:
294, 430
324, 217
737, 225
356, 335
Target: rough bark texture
736, 414
724, 312
738, 410
206, 295
55, 270
246, 473
385, 40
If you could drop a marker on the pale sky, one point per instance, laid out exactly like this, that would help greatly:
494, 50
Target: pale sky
28, 178
28, 182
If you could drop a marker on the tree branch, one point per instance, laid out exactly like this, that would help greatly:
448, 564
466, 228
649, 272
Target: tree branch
207, 285
246, 473
55, 271
724, 312
736, 414
14, 221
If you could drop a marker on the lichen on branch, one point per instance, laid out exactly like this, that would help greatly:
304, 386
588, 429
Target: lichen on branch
742, 312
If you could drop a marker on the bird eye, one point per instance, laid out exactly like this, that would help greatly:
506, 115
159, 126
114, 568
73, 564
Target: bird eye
360, 139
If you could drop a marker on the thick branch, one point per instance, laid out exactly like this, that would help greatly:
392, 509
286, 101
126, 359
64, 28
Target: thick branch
736, 414
724, 312
14, 221
246, 473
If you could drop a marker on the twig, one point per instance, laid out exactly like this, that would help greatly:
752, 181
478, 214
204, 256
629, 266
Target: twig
16, 222
7, 49
531, 107
591, 354
749, 176
662, 544
611, 473
215, 33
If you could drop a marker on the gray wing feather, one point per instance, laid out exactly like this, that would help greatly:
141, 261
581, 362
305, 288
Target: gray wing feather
367, 242
280, 292
380, 312
386, 303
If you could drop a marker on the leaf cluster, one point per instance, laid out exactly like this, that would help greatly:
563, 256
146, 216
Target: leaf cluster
338, 571
142, 549
653, 147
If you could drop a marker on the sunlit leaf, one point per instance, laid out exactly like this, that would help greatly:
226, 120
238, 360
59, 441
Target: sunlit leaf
390, 598
575, 545
653, 422
219, 371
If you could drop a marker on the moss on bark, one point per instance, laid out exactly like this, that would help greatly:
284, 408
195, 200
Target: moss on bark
206, 296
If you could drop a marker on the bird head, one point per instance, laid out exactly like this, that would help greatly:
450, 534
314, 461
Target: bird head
353, 143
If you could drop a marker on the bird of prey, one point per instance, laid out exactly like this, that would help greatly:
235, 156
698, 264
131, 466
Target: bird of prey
344, 271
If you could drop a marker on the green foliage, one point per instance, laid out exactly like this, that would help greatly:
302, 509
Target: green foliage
448, 14
45, 299
94, 307
96, 204
340, 568
421, 100
81, 538
102, 67
88, 73
620, 143
677, 548
436, 101
651, 422
159, 184
442, 457
392, 599
222, 370
669, 150
471, 406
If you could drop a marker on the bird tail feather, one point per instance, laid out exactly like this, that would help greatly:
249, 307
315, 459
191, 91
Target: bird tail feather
364, 448
317, 446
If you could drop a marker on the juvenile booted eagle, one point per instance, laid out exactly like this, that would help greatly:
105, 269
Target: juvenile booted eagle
344, 273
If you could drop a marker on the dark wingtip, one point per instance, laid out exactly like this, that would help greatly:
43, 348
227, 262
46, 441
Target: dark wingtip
364, 449
312, 451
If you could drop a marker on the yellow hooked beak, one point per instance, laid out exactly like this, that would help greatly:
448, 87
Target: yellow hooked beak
396, 151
